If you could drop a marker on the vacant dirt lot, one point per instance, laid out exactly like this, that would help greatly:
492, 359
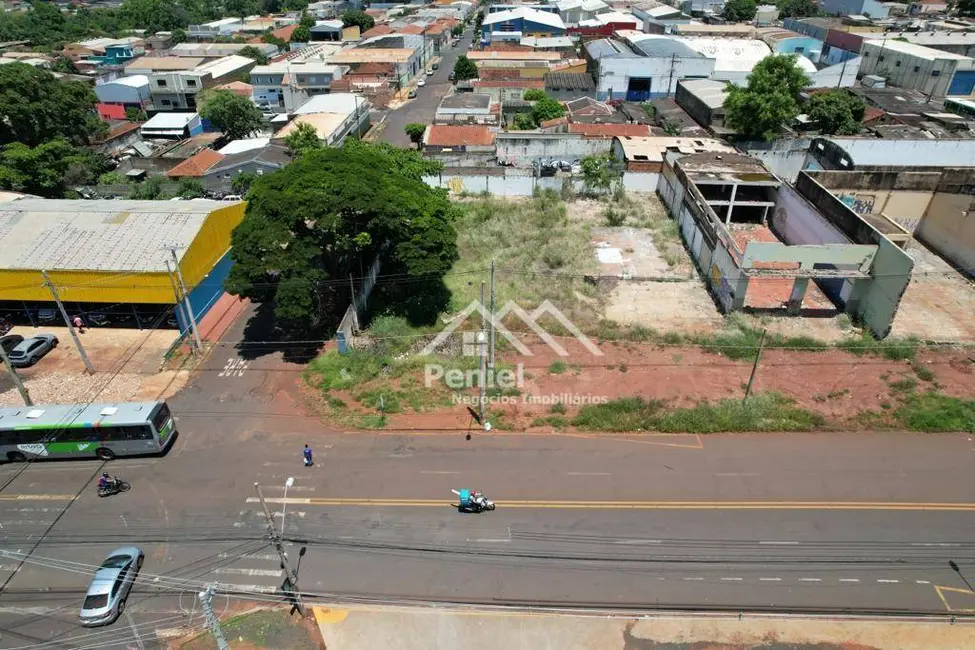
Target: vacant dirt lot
939, 302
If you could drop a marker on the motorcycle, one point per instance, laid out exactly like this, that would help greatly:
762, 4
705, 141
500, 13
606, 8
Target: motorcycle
473, 501
115, 486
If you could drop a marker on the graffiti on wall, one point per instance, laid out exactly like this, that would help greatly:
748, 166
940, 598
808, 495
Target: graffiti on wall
859, 203
721, 286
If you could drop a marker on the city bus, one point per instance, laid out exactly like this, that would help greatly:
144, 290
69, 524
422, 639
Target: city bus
102, 431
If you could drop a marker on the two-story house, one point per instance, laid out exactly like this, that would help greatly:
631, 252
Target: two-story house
173, 85
283, 86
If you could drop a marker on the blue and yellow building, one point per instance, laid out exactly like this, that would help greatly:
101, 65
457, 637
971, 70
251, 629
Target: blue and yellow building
113, 258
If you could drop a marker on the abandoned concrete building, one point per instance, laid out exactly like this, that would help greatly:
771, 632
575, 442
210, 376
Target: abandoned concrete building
767, 246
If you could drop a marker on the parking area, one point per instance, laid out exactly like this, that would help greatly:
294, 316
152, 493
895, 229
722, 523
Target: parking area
130, 364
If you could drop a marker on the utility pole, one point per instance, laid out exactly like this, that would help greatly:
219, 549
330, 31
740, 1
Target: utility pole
491, 339
272, 533
481, 340
67, 321
186, 300
24, 394
355, 310
176, 305
210, 619
673, 66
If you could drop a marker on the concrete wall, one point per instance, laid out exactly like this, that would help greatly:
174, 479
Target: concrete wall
784, 157
904, 70
949, 228
878, 152
517, 184
839, 75
523, 149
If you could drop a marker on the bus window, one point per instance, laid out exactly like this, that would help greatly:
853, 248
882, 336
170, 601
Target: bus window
161, 417
138, 433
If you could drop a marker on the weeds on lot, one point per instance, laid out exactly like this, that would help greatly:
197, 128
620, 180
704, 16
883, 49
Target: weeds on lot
557, 367
932, 412
763, 412
893, 349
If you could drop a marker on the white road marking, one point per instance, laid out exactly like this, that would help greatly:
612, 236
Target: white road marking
934, 544
433, 471
777, 543
292, 501
882, 580
270, 573
489, 540
8, 567
589, 474
258, 588
849, 579
636, 542
810, 580
697, 579
235, 367
731, 579
293, 488
736, 474
923, 582
253, 556
28, 611
770, 579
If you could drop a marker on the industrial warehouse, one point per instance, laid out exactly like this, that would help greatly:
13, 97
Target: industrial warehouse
112, 262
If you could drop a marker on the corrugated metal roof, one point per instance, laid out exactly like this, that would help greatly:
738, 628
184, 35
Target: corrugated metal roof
102, 235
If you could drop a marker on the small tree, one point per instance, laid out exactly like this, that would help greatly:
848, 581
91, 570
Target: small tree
547, 108
415, 132
465, 69
190, 188
523, 122
179, 36
600, 172
770, 99
306, 20
797, 9
360, 19
457, 30
836, 112
533, 95
242, 182
302, 139
740, 10
133, 114
252, 52
671, 127
237, 117
301, 34
271, 39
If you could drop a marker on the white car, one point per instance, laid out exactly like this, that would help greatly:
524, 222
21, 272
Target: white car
421, 83
429, 73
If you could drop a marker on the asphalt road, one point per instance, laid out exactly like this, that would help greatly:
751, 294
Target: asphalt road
824, 522
422, 109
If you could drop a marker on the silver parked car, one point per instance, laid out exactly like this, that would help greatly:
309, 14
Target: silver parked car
105, 599
30, 351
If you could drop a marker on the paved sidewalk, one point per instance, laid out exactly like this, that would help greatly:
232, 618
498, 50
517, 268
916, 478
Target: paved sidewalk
401, 628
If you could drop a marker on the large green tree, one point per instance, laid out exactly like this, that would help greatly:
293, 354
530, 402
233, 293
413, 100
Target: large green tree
327, 215
47, 169
301, 34
836, 112
252, 52
361, 19
740, 10
237, 117
464, 68
36, 106
797, 8
770, 99
547, 108
415, 132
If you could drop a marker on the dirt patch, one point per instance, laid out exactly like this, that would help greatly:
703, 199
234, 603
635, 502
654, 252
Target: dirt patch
666, 306
937, 304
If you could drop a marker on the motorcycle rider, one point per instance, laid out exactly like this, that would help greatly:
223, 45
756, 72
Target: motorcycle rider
105, 482
477, 497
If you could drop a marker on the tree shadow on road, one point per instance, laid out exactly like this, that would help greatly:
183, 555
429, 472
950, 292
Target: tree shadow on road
263, 337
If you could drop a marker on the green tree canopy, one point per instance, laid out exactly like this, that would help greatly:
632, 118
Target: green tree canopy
301, 34
134, 114
963, 7
547, 108
415, 132
241, 183
836, 112
327, 215
797, 8
600, 172
302, 139
740, 10
237, 117
533, 95
179, 36
457, 30
464, 68
242, 8
47, 169
361, 19
307, 20
770, 99
523, 122
36, 106
268, 37
252, 52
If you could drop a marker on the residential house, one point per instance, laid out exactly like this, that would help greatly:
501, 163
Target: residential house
219, 50
284, 86
525, 64
402, 51
460, 146
506, 90
327, 31
334, 116
703, 99
259, 161
574, 12
172, 126
468, 108
159, 41
175, 90
589, 110
114, 97
213, 29
196, 166
658, 18
567, 86
648, 154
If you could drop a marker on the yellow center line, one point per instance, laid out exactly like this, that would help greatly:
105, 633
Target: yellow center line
639, 505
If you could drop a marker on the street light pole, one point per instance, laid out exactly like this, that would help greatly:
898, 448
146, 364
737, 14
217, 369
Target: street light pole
284, 503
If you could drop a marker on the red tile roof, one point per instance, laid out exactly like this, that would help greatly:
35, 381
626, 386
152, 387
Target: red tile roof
609, 130
871, 113
411, 29
196, 165
378, 30
455, 136
237, 88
